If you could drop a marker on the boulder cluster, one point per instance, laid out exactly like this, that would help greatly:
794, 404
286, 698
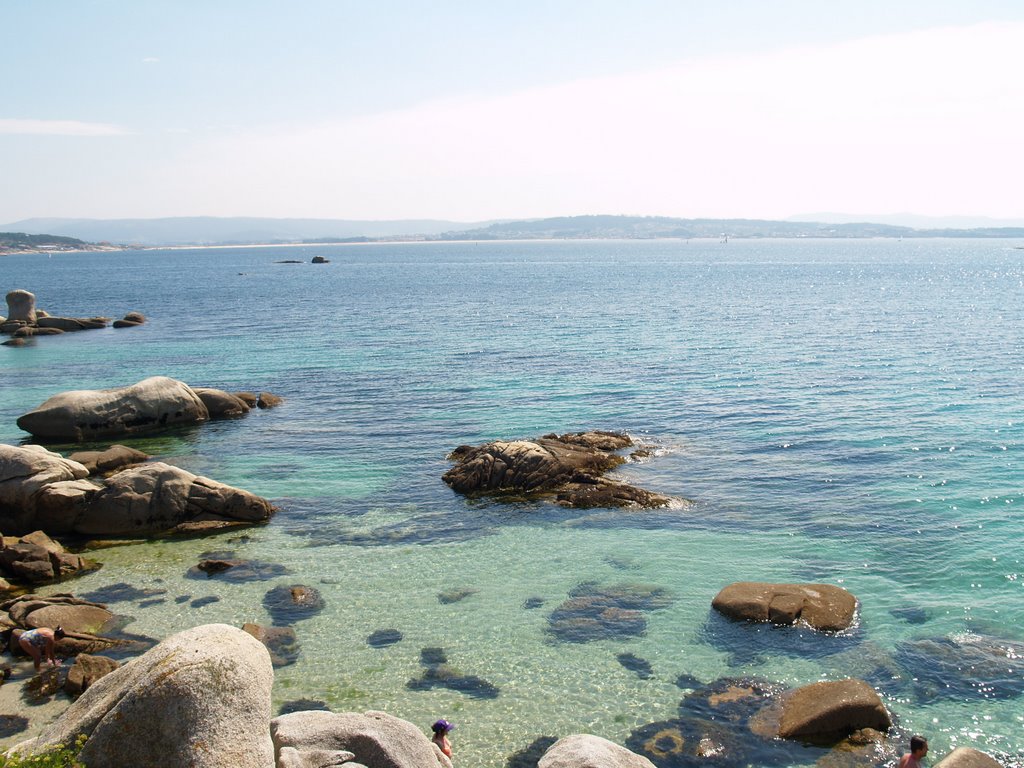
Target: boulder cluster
149, 405
570, 468
24, 320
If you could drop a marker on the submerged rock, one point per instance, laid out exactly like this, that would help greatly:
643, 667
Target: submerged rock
596, 613
821, 606
455, 595
963, 666
382, 638
568, 467
288, 604
634, 663
281, 643
439, 674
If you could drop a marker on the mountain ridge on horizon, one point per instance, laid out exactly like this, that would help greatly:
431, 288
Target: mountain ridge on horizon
212, 230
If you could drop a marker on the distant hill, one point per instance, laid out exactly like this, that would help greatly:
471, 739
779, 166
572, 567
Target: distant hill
662, 226
209, 230
247, 231
914, 220
20, 242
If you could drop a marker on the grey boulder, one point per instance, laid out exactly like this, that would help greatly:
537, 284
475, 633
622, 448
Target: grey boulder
200, 698
586, 751
376, 739
88, 414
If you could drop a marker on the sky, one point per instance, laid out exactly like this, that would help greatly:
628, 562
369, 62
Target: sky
472, 111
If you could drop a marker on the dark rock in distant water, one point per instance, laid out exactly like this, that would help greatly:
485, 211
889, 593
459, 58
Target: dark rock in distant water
597, 613
268, 400
182, 599
320, 260
288, 604
825, 607
963, 667
382, 638
199, 602
303, 705
530, 755
220, 404
151, 602
439, 674
130, 320
455, 595
533, 602
634, 663
290, 261
569, 467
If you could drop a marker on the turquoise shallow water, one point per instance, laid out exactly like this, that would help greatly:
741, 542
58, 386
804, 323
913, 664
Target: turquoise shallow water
845, 412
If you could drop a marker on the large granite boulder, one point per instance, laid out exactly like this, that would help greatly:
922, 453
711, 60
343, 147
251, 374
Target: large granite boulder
200, 698
21, 307
24, 471
41, 490
829, 711
84, 621
150, 404
586, 751
820, 606
966, 757
158, 498
569, 467
376, 739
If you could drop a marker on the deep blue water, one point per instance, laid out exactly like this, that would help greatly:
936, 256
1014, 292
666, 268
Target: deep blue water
840, 411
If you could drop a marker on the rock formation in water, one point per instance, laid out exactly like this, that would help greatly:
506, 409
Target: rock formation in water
152, 404
820, 606
583, 750
569, 467
41, 490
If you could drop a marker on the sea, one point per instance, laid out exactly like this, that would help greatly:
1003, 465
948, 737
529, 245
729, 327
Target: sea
847, 412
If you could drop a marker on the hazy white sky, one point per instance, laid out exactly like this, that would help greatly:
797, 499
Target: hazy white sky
472, 111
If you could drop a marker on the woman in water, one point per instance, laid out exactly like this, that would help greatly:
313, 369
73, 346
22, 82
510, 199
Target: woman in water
441, 729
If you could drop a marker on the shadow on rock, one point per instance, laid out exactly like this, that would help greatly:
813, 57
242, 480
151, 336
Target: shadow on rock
303, 705
598, 613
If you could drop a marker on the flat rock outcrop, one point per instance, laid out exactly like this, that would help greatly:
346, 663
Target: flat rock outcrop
376, 739
200, 698
829, 711
568, 467
821, 606
89, 414
586, 751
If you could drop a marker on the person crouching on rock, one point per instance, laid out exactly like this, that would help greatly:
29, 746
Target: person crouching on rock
441, 729
41, 642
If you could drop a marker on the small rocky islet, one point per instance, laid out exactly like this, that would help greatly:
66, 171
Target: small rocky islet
24, 321
718, 723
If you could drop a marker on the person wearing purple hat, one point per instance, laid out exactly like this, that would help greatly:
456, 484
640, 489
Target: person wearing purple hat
441, 729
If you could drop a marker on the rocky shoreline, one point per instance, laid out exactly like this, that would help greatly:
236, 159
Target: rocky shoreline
202, 697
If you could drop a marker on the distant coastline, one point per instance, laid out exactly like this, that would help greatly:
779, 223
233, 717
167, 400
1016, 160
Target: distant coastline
70, 235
